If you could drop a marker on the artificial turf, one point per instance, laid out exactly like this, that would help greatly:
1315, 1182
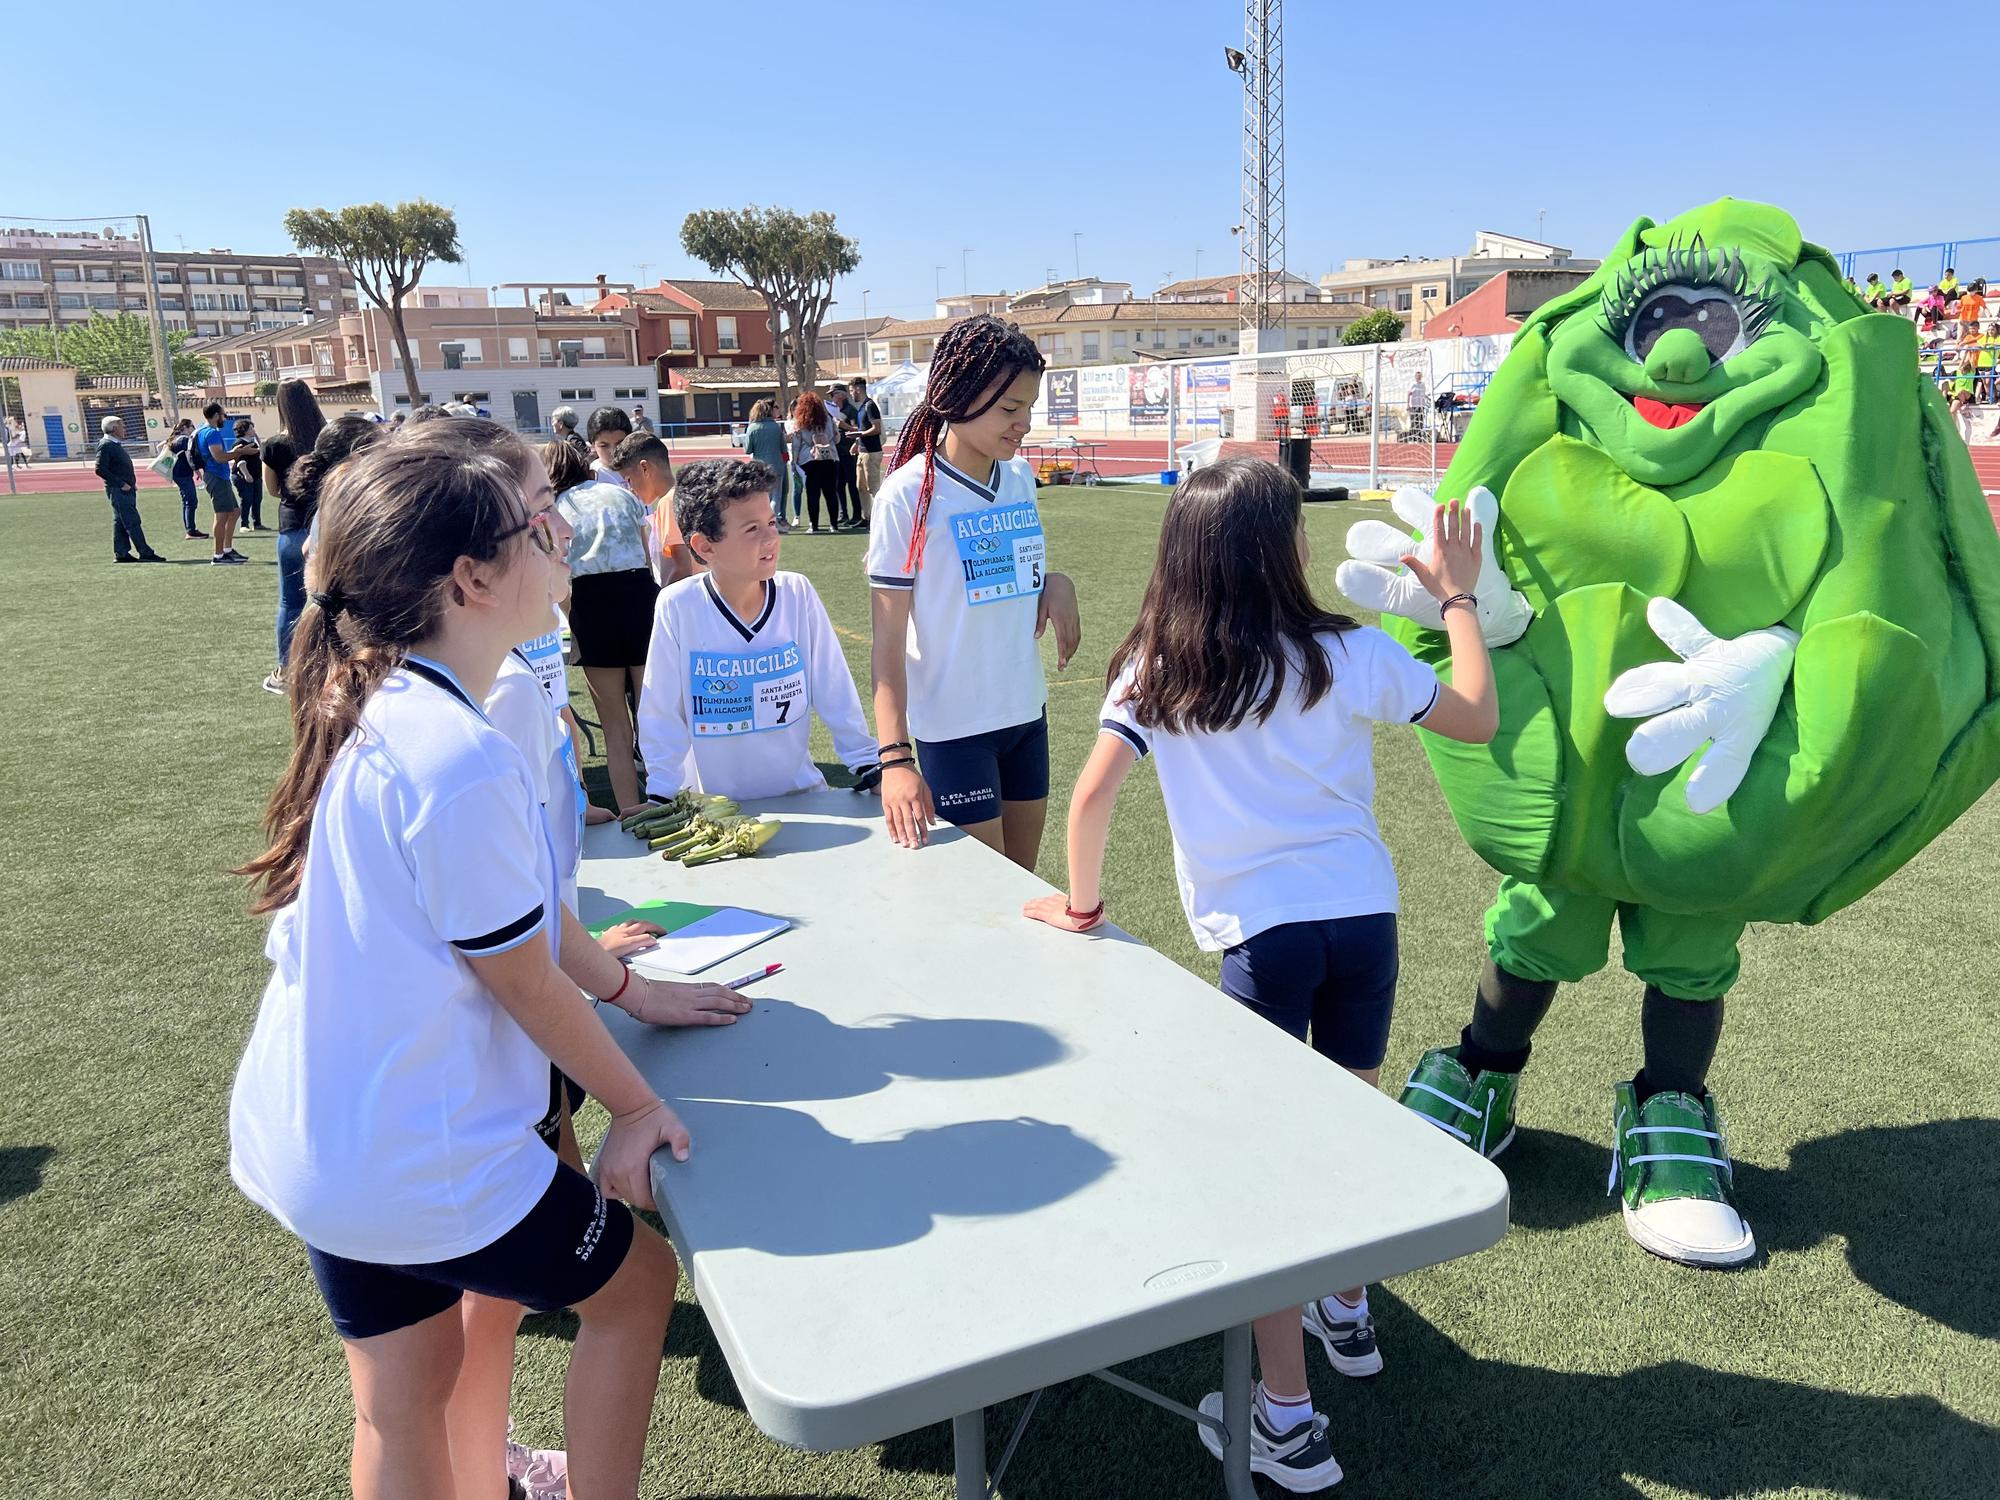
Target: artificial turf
161, 1336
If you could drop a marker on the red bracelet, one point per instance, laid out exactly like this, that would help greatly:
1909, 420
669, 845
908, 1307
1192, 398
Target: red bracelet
613, 996
1089, 918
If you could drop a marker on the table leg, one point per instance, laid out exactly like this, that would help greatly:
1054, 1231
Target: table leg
1236, 1397
968, 1449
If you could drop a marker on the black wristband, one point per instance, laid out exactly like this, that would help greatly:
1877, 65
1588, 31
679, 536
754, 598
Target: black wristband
1471, 601
898, 745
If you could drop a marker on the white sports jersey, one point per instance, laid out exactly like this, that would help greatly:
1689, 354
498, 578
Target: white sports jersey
385, 1107
973, 661
1275, 822
545, 655
727, 703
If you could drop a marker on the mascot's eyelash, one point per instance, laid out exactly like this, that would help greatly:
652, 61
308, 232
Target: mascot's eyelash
1689, 265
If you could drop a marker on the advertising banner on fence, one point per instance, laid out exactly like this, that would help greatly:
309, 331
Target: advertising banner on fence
1102, 388
1205, 388
1149, 389
1060, 398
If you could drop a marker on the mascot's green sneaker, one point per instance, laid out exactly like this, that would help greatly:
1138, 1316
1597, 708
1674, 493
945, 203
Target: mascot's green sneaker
1670, 1165
1479, 1111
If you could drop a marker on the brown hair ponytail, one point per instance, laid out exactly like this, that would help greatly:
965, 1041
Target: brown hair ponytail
393, 522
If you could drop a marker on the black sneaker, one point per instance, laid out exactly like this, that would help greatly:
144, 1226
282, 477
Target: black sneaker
1349, 1341
233, 555
197, 536
124, 559
1301, 1460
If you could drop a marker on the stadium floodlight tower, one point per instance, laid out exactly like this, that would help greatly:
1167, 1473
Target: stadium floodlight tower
1261, 65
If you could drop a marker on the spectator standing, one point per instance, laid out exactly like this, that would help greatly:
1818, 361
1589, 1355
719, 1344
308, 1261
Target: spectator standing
816, 451
214, 445
563, 419
1419, 405
842, 410
868, 445
181, 444
300, 423
608, 428
121, 488
643, 468
611, 603
247, 474
764, 440
640, 421
1989, 362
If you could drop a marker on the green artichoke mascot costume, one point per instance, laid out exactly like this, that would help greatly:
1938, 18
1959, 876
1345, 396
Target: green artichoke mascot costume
1744, 592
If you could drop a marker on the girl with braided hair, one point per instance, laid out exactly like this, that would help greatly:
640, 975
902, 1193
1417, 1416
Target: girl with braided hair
961, 593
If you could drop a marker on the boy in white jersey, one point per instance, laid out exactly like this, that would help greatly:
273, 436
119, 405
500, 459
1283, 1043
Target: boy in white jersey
958, 568
743, 655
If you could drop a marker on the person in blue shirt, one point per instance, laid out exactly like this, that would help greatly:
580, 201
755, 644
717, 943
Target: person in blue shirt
216, 447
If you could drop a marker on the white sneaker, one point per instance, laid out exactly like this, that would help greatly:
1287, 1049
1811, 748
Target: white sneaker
1349, 1341
1301, 1460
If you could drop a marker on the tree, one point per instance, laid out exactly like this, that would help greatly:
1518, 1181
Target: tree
386, 250
117, 347
789, 259
1378, 327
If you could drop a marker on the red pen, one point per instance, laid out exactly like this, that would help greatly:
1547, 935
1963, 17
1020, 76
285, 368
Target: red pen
753, 976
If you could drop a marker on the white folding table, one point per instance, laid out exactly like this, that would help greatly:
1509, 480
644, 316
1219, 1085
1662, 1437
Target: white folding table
952, 1157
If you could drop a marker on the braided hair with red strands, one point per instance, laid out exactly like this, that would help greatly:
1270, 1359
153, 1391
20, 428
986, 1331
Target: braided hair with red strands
973, 356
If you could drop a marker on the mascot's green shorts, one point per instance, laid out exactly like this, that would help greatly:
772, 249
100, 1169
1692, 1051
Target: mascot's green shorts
1744, 595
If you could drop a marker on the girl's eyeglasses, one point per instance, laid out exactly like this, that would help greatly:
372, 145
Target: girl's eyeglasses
541, 530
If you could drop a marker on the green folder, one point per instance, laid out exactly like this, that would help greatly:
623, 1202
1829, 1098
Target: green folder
670, 915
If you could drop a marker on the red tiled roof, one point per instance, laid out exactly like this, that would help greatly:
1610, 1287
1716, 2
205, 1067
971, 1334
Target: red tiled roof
719, 296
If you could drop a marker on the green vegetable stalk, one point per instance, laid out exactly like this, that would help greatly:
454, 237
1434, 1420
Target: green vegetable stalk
700, 831
741, 841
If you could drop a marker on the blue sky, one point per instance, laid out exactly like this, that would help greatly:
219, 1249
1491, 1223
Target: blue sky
571, 146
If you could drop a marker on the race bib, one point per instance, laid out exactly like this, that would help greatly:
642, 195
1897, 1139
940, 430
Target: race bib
1000, 552
747, 694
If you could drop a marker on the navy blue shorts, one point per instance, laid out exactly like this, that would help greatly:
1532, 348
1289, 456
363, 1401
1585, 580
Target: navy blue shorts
1334, 979
567, 1247
970, 778
563, 1089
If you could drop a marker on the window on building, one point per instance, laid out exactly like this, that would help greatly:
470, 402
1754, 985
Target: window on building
287, 278
430, 299
1379, 299
66, 273
517, 351
474, 398
320, 279
135, 304
1299, 339
474, 352
172, 304
31, 299
197, 277
1403, 300
1044, 343
545, 351
396, 357
1323, 339
1430, 294
1091, 346
207, 330
725, 333
1205, 338
20, 270
924, 347
593, 348
99, 273
584, 394
877, 355
166, 278
680, 333
69, 299
1183, 338
326, 304
1117, 338
232, 278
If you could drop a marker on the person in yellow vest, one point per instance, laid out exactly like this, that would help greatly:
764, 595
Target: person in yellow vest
1848, 282
1947, 284
1875, 294
1989, 361
1900, 290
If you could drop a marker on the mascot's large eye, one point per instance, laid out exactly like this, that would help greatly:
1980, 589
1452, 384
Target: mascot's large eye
1711, 312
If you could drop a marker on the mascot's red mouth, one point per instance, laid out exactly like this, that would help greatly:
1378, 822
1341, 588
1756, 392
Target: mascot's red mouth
1667, 413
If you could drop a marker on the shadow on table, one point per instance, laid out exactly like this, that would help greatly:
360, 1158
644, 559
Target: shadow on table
798, 1053
807, 838
841, 1195
1902, 1197
21, 1170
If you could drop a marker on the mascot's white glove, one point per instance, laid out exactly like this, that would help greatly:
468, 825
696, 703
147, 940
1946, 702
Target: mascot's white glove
1721, 691
1374, 576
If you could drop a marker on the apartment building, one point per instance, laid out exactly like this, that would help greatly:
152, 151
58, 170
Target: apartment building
51, 280
690, 324
1229, 288
1121, 332
1418, 289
